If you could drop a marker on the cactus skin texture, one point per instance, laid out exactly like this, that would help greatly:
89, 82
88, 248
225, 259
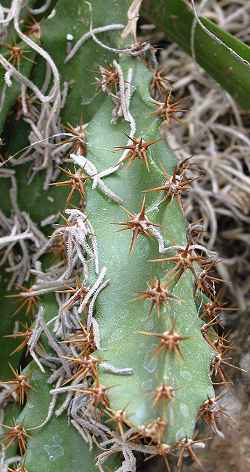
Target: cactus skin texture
58, 443
123, 345
131, 367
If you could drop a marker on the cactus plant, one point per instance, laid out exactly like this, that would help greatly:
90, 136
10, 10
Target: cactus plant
118, 355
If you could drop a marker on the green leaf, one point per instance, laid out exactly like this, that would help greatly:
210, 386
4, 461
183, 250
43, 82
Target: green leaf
227, 61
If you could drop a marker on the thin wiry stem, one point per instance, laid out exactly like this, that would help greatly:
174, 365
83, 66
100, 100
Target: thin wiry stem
93, 289
218, 40
51, 409
133, 51
42, 9
88, 35
55, 89
91, 171
92, 303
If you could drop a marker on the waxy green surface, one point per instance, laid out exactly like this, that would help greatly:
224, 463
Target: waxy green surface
119, 316
57, 446
227, 61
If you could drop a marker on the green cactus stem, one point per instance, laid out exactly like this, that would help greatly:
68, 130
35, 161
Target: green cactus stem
117, 354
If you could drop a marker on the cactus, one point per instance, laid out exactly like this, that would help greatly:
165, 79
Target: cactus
117, 348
